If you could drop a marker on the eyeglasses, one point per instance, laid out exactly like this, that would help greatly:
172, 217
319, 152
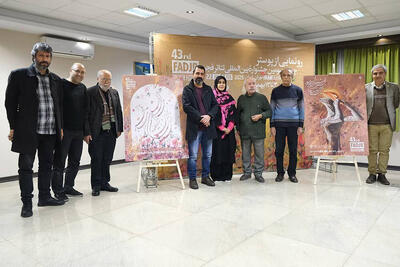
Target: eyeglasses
105, 79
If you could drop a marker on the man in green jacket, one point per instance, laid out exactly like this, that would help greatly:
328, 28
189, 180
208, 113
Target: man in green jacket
253, 110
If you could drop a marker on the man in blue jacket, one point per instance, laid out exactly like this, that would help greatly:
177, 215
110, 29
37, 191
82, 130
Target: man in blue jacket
201, 107
287, 106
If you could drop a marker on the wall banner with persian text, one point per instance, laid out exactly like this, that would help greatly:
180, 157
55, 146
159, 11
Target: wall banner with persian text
237, 59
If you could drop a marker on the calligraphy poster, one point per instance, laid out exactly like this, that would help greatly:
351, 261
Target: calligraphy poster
153, 118
237, 59
336, 115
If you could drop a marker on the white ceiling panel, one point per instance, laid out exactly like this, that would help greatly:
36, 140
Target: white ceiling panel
379, 10
297, 13
25, 8
84, 10
312, 21
119, 18
107, 4
251, 10
269, 18
48, 4
168, 20
280, 5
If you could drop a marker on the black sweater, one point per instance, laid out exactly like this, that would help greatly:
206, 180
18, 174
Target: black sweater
75, 105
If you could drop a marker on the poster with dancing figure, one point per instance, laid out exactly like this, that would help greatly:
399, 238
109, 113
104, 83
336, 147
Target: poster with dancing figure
335, 115
153, 118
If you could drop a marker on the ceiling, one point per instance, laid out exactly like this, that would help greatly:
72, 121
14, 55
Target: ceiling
103, 21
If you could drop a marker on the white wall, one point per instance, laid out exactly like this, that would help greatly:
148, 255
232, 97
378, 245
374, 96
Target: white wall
15, 50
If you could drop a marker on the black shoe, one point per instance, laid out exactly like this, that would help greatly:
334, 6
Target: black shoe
279, 178
371, 179
109, 188
95, 192
207, 181
193, 184
245, 177
50, 201
71, 191
259, 178
61, 196
293, 179
26, 210
382, 179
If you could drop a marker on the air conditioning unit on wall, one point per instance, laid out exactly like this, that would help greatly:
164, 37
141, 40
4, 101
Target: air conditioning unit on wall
69, 48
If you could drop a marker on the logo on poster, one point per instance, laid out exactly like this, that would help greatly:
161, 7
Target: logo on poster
356, 145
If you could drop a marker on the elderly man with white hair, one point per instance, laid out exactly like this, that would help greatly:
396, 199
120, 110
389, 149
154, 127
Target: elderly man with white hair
105, 126
382, 101
253, 109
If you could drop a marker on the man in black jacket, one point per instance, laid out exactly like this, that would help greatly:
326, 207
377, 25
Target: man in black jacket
34, 111
105, 126
75, 110
201, 107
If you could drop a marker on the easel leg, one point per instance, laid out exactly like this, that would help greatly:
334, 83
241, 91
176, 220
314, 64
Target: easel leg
180, 174
139, 178
316, 171
357, 171
334, 168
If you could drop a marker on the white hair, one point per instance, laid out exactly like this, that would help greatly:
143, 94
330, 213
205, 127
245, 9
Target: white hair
378, 66
245, 82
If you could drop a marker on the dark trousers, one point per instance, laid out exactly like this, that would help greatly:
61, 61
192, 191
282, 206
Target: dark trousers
46, 144
101, 150
280, 143
70, 146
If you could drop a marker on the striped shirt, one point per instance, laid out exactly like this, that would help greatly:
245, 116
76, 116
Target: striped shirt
287, 106
46, 123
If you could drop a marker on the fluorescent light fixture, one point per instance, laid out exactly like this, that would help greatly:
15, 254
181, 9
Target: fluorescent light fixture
142, 12
355, 14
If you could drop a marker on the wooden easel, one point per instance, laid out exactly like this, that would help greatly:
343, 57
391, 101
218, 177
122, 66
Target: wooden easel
158, 164
334, 160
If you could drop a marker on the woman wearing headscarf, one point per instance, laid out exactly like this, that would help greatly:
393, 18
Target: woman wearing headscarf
224, 146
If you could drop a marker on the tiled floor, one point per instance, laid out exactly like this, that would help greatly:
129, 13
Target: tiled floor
234, 224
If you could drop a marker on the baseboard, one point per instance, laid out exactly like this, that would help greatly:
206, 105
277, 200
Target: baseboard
82, 167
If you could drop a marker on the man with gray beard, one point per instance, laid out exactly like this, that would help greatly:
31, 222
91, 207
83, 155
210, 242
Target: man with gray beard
105, 126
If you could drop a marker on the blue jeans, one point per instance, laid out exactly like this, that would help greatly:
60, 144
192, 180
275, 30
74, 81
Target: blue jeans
206, 150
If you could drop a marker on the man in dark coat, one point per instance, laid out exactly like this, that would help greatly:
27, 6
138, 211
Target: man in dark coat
34, 111
201, 107
105, 126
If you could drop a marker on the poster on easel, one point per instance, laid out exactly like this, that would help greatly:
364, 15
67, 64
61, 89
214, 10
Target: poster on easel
153, 119
335, 115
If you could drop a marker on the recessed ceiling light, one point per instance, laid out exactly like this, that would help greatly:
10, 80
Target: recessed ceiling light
190, 11
355, 14
142, 12
380, 35
250, 33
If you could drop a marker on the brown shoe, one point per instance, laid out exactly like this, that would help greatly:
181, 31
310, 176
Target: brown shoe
371, 179
245, 177
193, 184
207, 181
382, 179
